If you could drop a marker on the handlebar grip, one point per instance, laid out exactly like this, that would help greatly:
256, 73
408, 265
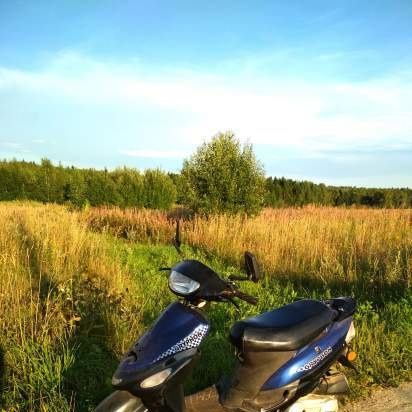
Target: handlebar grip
237, 277
247, 298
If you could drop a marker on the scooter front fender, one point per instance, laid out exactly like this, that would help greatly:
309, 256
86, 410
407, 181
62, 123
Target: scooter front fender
121, 401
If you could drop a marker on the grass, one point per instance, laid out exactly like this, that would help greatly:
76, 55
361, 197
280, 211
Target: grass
73, 300
64, 307
368, 246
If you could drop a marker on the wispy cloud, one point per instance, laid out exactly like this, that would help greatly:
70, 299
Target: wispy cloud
11, 145
323, 17
326, 57
309, 115
155, 154
13, 148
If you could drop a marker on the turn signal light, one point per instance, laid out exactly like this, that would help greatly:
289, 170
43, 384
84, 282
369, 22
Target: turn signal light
351, 356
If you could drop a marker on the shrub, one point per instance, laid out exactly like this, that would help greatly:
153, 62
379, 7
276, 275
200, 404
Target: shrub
223, 177
159, 189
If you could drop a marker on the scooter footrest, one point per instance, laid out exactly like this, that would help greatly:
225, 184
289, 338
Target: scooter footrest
333, 384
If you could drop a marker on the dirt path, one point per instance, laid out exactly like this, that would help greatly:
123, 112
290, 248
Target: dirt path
384, 400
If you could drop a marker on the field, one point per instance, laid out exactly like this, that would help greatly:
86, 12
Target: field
78, 287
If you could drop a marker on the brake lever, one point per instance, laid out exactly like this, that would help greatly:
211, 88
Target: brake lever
239, 278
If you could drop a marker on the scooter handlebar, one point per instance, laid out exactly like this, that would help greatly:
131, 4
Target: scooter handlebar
247, 298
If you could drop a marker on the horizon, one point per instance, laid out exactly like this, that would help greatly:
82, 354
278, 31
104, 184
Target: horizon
141, 170
322, 91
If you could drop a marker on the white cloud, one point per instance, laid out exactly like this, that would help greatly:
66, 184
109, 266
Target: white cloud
11, 145
310, 116
13, 148
155, 154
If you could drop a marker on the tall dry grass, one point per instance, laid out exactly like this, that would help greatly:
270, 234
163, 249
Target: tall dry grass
69, 307
324, 243
54, 273
313, 252
137, 225
327, 243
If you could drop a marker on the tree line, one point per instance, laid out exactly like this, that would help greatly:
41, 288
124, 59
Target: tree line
153, 188
221, 176
282, 192
123, 187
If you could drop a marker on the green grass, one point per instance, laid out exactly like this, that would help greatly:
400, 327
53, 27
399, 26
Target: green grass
75, 372
383, 321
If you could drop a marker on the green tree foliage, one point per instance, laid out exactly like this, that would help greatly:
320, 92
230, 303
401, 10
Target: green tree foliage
223, 177
178, 181
101, 189
122, 187
282, 192
159, 189
220, 176
130, 184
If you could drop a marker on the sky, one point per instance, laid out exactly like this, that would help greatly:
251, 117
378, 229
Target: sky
321, 89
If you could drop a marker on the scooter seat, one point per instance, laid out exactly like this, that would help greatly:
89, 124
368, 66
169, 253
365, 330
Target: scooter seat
285, 329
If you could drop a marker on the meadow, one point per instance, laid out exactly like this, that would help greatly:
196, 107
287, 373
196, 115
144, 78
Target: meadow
78, 287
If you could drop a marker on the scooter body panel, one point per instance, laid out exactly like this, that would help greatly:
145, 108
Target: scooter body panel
312, 357
171, 343
177, 329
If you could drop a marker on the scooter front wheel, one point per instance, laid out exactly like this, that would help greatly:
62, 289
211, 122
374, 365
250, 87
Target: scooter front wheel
121, 401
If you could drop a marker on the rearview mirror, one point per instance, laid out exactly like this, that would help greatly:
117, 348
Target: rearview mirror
252, 267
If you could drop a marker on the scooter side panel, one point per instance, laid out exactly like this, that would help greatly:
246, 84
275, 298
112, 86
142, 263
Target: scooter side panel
311, 357
177, 329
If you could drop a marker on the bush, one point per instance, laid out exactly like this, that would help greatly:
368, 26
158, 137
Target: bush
159, 189
223, 177
130, 185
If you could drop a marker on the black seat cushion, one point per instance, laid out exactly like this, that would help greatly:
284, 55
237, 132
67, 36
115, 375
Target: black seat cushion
284, 329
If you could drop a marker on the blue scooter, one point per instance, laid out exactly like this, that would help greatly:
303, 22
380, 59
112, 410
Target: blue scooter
285, 357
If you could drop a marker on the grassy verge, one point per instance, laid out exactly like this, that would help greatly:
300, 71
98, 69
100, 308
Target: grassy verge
72, 301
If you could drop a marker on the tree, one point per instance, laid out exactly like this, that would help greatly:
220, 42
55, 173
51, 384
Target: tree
100, 188
159, 189
130, 186
222, 176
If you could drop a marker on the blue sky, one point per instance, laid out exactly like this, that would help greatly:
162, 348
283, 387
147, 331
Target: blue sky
322, 89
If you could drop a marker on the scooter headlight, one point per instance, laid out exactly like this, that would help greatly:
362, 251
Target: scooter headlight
182, 284
156, 379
